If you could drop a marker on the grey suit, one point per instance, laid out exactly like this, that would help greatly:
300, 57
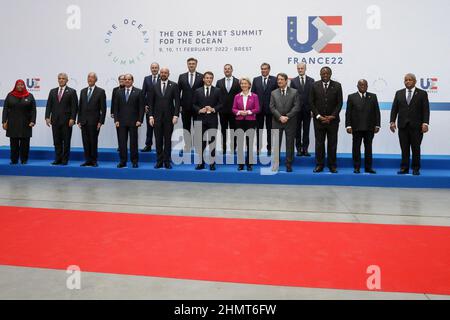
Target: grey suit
287, 105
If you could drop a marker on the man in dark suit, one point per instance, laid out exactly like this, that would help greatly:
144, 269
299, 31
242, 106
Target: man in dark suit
413, 110
60, 114
362, 120
303, 84
285, 106
91, 116
187, 84
128, 117
164, 103
114, 101
207, 103
325, 100
263, 86
229, 88
149, 82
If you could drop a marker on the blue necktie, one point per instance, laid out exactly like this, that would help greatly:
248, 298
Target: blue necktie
89, 94
409, 97
127, 95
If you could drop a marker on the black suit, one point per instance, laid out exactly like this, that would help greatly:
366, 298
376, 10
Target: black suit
114, 101
188, 114
362, 115
227, 118
304, 117
209, 121
410, 120
264, 116
146, 88
60, 112
163, 107
327, 103
127, 113
91, 112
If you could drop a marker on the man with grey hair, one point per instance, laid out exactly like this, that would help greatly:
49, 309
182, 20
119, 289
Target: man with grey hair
147, 86
413, 110
60, 114
362, 120
91, 116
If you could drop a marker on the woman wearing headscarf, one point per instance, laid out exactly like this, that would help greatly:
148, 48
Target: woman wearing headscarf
19, 117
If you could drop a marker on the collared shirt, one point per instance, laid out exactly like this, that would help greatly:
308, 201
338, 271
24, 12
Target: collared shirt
412, 92
245, 99
162, 85
205, 87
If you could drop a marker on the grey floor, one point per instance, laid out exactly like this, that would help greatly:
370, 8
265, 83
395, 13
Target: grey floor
306, 203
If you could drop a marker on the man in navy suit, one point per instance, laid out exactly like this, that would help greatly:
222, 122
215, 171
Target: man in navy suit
229, 88
303, 84
149, 82
187, 84
91, 116
263, 86
128, 117
60, 114
412, 107
207, 104
164, 103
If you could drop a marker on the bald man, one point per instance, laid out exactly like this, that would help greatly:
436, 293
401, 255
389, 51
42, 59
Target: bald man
91, 116
412, 108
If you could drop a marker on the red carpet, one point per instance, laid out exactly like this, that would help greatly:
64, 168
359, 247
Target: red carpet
289, 253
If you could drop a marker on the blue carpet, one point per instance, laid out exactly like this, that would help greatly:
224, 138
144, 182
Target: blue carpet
435, 171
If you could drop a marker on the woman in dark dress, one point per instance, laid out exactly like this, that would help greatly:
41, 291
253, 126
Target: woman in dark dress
19, 117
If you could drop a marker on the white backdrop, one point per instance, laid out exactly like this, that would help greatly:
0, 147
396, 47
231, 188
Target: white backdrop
381, 41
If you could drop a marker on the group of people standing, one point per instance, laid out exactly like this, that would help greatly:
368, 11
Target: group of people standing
240, 105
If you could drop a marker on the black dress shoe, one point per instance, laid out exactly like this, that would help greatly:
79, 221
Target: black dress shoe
240, 167
357, 170
135, 165
333, 170
249, 167
306, 154
288, 168
24, 162
212, 167
64, 163
167, 165
370, 170
94, 164
147, 149
158, 165
299, 153
318, 169
416, 173
403, 171
86, 164
121, 165
13, 162
200, 167
56, 163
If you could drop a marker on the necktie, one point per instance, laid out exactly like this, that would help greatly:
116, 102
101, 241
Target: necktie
265, 83
207, 92
164, 88
191, 80
326, 87
154, 80
228, 84
127, 95
408, 99
302, 82
89, 94
282, 92
60, 94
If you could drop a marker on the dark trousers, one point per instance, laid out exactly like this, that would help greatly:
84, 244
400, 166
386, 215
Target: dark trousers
149, 135
188, 118
262, 118
211, 139
20, 147
303, 124
330, 133
410, 140
62, 134
248, 128
227, 120
163, 139
89, 135
132, 131
358, 137
289, 129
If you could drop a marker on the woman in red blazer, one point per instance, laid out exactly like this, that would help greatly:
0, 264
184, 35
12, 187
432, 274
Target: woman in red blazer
245, 108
